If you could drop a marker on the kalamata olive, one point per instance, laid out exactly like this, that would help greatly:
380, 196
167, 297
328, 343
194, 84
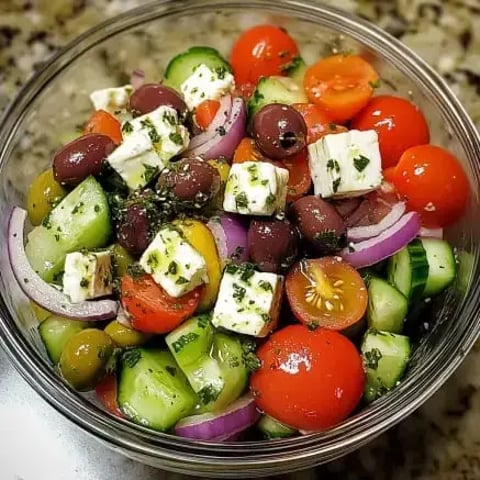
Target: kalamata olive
149, 97
319, 223
192, 181
80, 158
272, 244
133, 231
279, 131
84, 358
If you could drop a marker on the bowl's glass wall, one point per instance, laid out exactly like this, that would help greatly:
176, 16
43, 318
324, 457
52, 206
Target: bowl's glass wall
57, 104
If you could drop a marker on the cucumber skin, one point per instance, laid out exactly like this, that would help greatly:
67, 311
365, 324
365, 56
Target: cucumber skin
181, 66
387, 313
272, 428
296, 71
442, 266
65, 232
151, 396
56, 331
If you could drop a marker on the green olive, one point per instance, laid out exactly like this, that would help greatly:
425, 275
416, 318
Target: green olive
45, 192
121, 260
85, 357
124, 336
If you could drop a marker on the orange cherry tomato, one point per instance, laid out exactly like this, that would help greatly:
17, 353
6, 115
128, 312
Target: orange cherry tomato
151, 309
106, 124
247, 151
299, 180
433, 183
310, 380
341, 85
326, 292
398, 123
106, 392
262, 51
205, 113
318, 122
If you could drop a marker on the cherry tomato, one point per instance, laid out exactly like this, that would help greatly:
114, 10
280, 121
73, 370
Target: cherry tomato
326, 292
389, 174
262, 51
341, 85
399, 124
106, 124
318, 122
205, 113
299, 179
247, 151
310, 380
106, 392
151, 309
433, 183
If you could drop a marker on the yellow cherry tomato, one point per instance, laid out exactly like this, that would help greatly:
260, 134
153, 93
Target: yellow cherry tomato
223, 169
45, 192
200, 237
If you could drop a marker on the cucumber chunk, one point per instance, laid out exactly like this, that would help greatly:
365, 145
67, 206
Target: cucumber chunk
183, 65
81, 220
408, 270
275, 90
152, 390
441, 264
296, 70
55, 331
385, 356
272, 428
387, 306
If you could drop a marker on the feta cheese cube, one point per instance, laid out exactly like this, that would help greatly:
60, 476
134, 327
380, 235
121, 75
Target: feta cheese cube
248, 301
111, 99
87, 275
256, 188
345, 164
149, 142
206, 84
173, 263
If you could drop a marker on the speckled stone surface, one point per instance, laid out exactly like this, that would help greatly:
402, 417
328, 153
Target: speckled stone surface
441, 440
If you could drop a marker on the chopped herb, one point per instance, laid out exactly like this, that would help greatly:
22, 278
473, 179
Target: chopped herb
135, 271
149, 172
264, 182
375, 84
336, 184
84, 282
312, 326
361, 162
169, 118
241, 200
208, 394
77, 207
247, 271
173, 268
332, 164
131, 357
57, 237
251, 361
152, 260
176, 138
194, 90
328, 237
232, 269
372, 358
266, 317
181, 281
184, 340
257, 96
238, 292
220, 71
291, 66
127, 127
270, 200
264, 285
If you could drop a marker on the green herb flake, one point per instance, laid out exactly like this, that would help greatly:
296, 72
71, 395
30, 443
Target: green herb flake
221, 72
84, 282
270, 200
77, 208
131, 357
336, 184
172, 268
361, 162
238, 292
241, 200
376, 84
264, 285
332, 164
176, 138
208, 394
372, 357
181, 281
127, 127
329, 237
149, 172
152, 260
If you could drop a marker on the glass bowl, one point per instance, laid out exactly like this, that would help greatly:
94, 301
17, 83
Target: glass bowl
47, 113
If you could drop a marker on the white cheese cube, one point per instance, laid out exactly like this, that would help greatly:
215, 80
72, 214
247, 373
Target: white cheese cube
256, 188
111, 99
87, 275
206, 84
149, 142
345, 164
173, 263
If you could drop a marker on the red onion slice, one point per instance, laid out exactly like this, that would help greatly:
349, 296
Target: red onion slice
137, 78
431, 233
390, 241
357, 234
221, 426
230, 234
226, 139
40, 292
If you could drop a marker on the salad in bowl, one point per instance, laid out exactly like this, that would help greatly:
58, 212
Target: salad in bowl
235, 251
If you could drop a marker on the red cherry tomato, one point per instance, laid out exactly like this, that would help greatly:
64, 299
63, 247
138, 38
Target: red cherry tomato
399, 124
106, 124
106, 392
310, 380
262, 51
205, 113
299, 179
433, 183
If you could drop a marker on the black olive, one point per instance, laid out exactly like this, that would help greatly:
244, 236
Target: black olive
149, 97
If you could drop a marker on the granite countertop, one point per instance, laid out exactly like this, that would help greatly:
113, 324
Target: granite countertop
441, 440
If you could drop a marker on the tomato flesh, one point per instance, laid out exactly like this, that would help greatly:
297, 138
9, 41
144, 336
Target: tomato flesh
106, 392
310, 380
106, 124
151, 309
433, 183
326, 292
205, 113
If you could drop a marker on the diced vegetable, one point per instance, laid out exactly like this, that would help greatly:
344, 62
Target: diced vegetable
272, 428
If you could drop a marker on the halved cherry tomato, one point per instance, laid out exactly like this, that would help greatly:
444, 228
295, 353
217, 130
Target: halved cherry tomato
247, 151
262, 51
389, 174
106, 124
399, 124
205, 113
151, 309
106, 392
326, 292
310, 380
299, 180
318, 122
341, 85
433, 183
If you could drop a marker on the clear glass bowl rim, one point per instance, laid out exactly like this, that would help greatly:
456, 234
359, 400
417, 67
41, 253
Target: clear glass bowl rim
283, 455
